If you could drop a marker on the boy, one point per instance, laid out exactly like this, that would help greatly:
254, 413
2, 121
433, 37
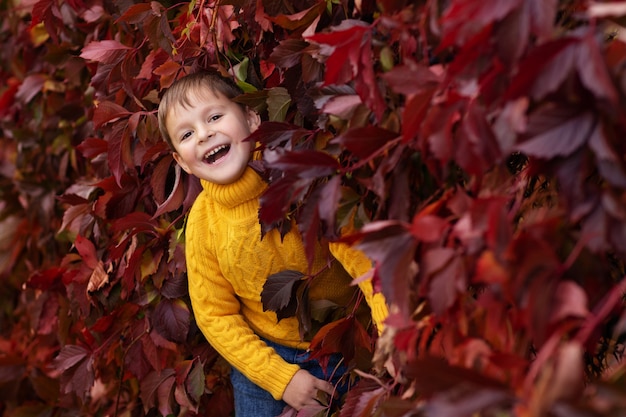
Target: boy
228, 263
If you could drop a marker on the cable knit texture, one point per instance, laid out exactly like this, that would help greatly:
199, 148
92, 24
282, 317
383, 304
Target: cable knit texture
228, 263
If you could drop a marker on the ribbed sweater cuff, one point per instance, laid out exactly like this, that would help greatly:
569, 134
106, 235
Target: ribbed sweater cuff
278, 379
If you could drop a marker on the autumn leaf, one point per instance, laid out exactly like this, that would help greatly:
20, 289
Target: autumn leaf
288, 53
345, 336
446, 274
278, 101
364, 141
392, 247
348, 51
76, 363
87, 251
30, 87
463, 18
106, 51
154, 389
305, 164
171, 318
364, 398
108, 111
279, 292
556, 131
98, 279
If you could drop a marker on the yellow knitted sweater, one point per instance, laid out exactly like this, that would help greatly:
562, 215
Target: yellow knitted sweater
227, 265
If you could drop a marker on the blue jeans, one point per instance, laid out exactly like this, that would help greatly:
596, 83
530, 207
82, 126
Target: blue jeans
253, 401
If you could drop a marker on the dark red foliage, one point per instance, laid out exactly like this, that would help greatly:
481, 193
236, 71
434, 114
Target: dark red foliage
473, 149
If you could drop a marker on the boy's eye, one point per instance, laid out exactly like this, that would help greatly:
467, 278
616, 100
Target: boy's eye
215, 117
185, 136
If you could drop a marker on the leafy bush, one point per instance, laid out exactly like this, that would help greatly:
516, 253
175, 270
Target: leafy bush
477, 145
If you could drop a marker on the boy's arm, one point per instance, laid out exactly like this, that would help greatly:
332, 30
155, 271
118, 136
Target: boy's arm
357, 264
217, 313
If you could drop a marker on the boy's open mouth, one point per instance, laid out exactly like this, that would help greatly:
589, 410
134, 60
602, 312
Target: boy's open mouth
216, 153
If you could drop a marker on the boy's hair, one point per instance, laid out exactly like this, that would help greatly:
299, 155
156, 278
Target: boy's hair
179, 94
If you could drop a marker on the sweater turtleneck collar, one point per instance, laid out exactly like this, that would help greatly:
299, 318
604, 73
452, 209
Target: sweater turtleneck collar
246, 189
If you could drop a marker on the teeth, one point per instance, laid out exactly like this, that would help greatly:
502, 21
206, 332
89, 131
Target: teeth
214, 151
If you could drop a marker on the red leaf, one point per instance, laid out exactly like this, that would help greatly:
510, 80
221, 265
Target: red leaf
155, 59
279, 293
120, 154
547, 66
366, 83
30, 87
464, 18
611, 166
87, 251
136, 13
300, 20
158, 181
436, 131
45, 279
544, 69
433, 375
328, 204
150, 387
343, 62
276, 133
362, 400
570, 300
342, 106
276, 200
415, 110
6, 99
171, 318
477, 150
446, 274
69, 356
593, 70
304, 164
137, 361
557, 131
535, 17
195, 381
107, 111
472, 402
288, 53
364, 141
107, 51
137, 222
345, 336
92, 147
489, 270
428, 228
392, 246
411, 79
76, 364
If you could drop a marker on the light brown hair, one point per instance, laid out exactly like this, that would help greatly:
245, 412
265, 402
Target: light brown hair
180, 94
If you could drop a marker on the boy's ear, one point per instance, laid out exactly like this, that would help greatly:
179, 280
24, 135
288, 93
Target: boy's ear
254, 120
181, 162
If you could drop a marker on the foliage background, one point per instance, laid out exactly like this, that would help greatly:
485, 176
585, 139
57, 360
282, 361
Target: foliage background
478, 144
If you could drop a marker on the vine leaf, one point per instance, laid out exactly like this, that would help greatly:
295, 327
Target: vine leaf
279, 293
171, 318
107, 51
76, 364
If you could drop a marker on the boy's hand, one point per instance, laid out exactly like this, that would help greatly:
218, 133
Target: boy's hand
303, 389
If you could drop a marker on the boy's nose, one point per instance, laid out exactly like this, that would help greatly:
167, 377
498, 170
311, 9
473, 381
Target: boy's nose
206, 134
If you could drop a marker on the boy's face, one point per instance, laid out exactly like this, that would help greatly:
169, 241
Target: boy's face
208, 136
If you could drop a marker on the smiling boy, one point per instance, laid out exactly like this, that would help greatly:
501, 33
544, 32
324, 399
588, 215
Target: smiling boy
228, 262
